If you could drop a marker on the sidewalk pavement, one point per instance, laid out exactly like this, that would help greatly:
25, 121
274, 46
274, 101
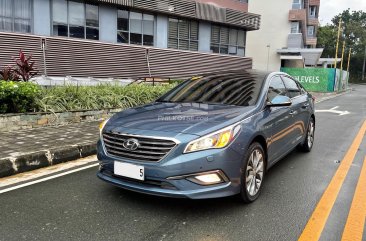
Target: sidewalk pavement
26, 150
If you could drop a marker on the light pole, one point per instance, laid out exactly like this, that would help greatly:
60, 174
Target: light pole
268, 48
363, 67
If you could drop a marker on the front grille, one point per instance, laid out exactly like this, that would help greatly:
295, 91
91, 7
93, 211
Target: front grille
150, 149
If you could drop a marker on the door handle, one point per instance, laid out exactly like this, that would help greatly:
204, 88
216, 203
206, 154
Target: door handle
292, 112
306, 105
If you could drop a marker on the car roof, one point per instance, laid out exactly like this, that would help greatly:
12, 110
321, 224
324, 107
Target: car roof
258, 74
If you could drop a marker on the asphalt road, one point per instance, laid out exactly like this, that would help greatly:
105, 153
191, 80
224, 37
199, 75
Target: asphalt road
81, 207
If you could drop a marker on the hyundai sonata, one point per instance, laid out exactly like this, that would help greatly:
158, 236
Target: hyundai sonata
212, 136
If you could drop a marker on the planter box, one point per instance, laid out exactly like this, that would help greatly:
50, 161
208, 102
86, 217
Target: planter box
11, 122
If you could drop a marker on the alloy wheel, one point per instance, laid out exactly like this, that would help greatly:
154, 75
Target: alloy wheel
310, 135
254, 172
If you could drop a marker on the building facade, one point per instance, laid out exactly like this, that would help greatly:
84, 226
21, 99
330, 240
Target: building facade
127, 38
287, 37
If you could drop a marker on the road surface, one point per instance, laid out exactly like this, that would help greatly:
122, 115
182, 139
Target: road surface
78, 206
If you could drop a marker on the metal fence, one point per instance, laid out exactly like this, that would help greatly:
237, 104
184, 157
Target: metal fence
85, 58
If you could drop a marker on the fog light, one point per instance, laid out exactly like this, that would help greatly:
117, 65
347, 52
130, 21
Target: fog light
206, 179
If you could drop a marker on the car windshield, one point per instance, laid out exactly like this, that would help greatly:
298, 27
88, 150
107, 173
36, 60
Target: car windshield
238, 88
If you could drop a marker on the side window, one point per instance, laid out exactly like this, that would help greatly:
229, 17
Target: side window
303, 91
291, 86
276, 87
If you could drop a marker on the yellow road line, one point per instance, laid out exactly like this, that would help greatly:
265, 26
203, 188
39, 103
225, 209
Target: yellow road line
353, 230
318, 219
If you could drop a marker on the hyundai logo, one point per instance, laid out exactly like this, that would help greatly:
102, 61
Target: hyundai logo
131, 144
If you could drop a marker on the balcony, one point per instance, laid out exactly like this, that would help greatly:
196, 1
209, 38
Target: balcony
313, 21
231, 4
297, 15
295, 40
314, 2
311, 41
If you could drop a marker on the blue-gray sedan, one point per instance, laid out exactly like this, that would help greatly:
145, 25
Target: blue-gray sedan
212, 136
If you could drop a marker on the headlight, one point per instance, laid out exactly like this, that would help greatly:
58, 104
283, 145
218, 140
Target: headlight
102, 124
218, 139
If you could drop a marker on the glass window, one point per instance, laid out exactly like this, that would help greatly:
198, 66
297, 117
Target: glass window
312, 11
276, 88
295, 27
135, 28
183, 34
227, 41
148, 27
92, 21
297, 4
311, 30
15, 15
292, 87
123, 27
75, 19
241, 89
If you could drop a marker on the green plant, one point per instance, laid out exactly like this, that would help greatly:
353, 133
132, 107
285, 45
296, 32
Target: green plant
8, 74
66, 98
18, 97
25, 66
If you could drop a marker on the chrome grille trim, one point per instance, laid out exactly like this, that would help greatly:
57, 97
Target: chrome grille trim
151, 149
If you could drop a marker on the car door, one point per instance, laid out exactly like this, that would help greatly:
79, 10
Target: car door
279, 120
299, 109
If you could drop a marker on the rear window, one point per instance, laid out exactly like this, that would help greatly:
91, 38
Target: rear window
240, 89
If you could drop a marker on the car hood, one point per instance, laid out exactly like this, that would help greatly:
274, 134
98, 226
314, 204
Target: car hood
187, 118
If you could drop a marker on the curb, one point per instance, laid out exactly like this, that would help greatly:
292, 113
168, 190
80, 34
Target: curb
332, 96
31, 161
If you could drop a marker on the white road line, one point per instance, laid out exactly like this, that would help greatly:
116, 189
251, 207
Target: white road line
47, 178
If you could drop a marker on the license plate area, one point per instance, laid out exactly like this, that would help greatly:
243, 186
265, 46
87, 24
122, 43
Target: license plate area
129, 170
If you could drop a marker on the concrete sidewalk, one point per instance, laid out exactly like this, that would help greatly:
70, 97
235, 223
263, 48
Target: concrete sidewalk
26, 150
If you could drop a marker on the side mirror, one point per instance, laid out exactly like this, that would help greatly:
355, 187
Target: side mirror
280, 101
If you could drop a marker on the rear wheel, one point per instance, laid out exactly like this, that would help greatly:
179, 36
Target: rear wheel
253, 173
308, 143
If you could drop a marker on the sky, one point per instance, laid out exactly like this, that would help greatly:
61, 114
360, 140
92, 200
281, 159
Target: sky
330, 8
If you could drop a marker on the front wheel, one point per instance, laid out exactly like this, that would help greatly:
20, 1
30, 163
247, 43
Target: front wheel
253, 173
308, 143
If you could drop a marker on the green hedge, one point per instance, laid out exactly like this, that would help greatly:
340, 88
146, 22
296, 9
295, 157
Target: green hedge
18, 97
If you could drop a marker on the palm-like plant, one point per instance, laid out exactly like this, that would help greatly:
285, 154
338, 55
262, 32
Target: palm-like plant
25, 66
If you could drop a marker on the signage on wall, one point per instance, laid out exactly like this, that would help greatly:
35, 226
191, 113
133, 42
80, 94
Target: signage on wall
313, 79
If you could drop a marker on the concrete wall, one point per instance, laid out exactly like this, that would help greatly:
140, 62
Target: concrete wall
204, 32
161, 31
107, 23
11, 122
42, 17
274, 31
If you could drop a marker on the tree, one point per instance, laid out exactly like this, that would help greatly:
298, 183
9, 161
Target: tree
353, 33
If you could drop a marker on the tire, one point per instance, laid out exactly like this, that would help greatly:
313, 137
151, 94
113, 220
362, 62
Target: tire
308, 143
250, 177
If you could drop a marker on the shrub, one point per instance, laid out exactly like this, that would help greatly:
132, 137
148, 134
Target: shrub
8, 74
18, 97
66, 98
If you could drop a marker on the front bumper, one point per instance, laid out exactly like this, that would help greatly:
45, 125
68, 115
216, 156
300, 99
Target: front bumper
158, 174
